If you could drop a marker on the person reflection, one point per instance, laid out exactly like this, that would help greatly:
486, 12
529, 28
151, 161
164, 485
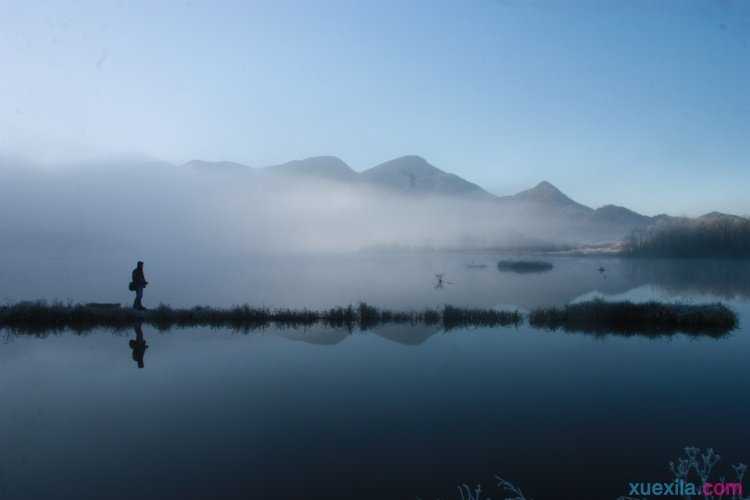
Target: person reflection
138, 345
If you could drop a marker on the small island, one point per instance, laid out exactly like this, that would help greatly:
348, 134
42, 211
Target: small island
629, 318
524, 266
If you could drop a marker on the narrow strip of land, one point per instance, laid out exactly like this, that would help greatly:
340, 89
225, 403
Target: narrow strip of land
628, 318
594, 316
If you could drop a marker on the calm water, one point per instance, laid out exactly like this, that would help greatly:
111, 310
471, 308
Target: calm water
398, 412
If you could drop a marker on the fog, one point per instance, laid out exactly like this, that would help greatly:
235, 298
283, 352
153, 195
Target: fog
149, 208
74, 231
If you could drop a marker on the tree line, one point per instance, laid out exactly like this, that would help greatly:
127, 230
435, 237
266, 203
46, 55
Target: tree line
721, 236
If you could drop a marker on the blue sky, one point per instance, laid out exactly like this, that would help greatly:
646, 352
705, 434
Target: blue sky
639, 103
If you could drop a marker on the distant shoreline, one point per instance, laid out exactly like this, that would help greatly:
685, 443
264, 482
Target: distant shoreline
604, 249
613, 250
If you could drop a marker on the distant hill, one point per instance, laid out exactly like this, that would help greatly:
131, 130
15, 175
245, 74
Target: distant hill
414, 174
614, 214
542, 211
546, 194
407, 174
556, 216
553, 214
323, 167
722, 217
224, 167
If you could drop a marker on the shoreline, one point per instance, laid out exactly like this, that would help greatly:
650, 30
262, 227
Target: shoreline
596, 316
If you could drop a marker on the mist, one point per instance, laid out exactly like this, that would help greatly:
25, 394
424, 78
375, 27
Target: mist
157, 207
75, 230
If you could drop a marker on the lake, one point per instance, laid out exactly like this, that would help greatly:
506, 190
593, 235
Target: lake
395, 412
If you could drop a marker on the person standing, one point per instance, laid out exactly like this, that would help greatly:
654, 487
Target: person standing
137, 284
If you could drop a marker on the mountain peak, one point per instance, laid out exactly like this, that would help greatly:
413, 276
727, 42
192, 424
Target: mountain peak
409, 164
615, 214
415, 159
324, 160
545, 192
328, 167
546, 186
216, 166
720, 216
714, 215
413, 173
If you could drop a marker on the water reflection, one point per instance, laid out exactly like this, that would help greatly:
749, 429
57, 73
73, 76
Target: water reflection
414, 335
402, 283
389, 281
574, 277
139, 345
725, 279
424, 407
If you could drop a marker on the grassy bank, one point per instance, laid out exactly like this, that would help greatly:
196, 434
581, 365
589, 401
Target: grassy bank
41, 316
628, 318
623, 318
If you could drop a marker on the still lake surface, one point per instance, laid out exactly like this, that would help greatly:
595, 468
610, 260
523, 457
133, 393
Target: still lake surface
396, 412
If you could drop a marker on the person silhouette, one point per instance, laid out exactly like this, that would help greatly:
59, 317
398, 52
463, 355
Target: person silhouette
138, 345
440, 281
137, 284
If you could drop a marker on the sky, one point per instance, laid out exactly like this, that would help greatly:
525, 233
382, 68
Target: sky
638, 103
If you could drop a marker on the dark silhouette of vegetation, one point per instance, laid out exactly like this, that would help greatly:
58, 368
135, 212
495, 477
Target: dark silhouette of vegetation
598, 317
628, 318
713, 235
694, 468
524, 266
40, 317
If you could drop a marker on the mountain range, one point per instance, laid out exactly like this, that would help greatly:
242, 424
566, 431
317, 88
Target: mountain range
414, 176
316, 204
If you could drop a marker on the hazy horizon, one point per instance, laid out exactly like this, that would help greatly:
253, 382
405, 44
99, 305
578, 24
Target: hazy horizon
136, 160
638, 104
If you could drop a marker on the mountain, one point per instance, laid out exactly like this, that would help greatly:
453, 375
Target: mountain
415, 174
546, 212
614, 214
545, 193
721, 217
224, 167
540, 212
323, 167
448, 216
710, 218
563, 219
